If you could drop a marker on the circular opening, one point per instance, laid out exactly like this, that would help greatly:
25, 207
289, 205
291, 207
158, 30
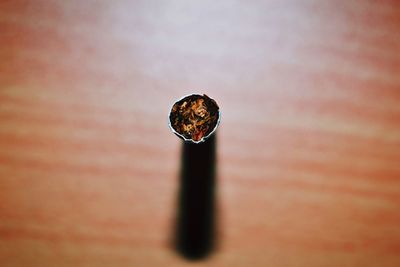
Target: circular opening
194, 117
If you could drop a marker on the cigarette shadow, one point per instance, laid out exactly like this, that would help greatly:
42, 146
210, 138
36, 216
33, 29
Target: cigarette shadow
195, 227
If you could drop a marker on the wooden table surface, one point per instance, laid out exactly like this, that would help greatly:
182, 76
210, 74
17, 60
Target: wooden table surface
308, 146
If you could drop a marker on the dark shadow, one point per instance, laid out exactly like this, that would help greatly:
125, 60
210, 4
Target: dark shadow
195, 233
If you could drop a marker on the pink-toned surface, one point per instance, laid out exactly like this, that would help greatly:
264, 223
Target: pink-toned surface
85, 88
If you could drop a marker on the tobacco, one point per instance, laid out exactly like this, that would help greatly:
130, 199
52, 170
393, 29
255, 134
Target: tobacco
194, 117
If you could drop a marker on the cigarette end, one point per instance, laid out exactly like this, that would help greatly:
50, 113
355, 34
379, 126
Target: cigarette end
194, 118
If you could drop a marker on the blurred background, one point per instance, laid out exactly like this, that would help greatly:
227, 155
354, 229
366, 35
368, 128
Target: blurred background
308, 148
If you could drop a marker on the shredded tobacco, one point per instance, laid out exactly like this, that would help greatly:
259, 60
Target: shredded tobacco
194, 117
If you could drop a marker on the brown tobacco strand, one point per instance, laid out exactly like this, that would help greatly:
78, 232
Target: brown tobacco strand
194, 117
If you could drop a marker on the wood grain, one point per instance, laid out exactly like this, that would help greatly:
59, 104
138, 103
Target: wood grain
308, 146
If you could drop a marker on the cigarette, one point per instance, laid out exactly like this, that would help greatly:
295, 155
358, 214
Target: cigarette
194, 118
